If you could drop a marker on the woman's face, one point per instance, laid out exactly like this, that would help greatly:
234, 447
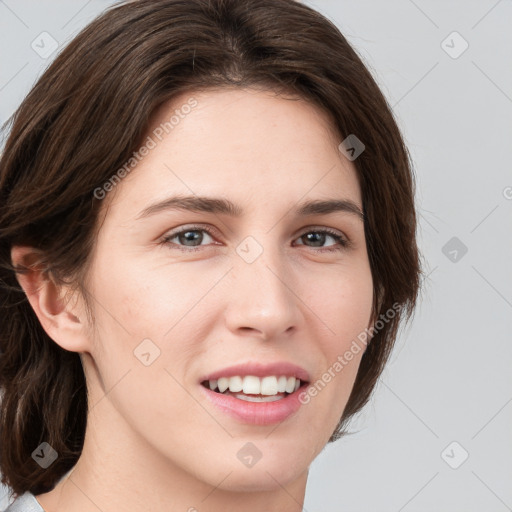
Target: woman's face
258, 291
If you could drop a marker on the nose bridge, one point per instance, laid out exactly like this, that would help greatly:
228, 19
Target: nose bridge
261, 299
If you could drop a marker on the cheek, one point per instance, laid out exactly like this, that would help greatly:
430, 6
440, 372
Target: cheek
141, 310
153, 403
342, 302
343, 305
145, 301
351, 319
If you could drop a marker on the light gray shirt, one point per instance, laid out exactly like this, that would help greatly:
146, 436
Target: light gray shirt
25, 503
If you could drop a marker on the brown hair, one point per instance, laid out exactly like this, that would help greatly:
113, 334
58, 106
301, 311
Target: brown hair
85, 117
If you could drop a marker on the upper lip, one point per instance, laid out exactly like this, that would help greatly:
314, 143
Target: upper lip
277, 368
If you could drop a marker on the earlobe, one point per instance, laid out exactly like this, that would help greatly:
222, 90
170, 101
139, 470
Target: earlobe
49, 302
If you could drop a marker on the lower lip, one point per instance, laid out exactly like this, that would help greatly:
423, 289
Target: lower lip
256, 413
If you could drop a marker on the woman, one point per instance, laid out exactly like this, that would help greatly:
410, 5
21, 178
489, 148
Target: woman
207, 243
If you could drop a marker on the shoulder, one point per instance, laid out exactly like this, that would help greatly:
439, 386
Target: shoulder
25, 503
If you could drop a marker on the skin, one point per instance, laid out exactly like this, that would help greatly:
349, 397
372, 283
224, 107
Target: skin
153, 442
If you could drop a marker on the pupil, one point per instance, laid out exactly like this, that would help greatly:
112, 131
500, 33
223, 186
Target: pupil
316, 238
196, 237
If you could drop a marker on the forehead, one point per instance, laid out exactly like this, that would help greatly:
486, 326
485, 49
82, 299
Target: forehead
251, 145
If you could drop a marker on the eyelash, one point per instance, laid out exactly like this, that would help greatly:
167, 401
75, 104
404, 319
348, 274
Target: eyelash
342, 242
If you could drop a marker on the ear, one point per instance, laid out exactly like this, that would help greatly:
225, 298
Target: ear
65, 324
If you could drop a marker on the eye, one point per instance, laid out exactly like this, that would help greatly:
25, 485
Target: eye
318, 238
191, 239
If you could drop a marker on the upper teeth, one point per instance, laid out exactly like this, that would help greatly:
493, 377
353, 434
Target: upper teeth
251, 385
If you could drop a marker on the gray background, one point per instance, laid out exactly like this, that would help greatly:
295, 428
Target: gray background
449, 380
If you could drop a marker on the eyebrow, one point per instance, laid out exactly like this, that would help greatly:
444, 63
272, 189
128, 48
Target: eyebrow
219, 205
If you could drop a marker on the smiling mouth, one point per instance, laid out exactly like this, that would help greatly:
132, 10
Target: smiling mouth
250, 388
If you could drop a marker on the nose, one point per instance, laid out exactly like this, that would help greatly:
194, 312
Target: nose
262, 301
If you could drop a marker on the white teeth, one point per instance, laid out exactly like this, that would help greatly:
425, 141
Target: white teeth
290, 385
223, 384
236, 384
281, 384
269, 386
252, 385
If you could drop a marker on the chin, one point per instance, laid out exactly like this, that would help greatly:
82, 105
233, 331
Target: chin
272, 467
262, 479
